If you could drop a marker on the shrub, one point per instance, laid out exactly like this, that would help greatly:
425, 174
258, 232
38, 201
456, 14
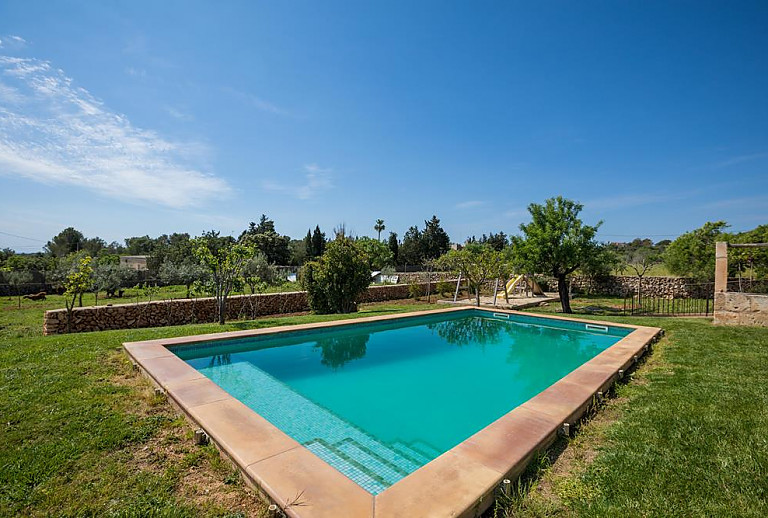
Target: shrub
446, 288
336, 280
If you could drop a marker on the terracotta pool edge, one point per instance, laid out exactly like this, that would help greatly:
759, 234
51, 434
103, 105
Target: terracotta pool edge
460, 482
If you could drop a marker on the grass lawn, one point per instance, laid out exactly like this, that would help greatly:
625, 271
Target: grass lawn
85, 435
684, 437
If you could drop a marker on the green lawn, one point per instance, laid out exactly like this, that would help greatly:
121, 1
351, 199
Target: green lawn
684, 437
85, 435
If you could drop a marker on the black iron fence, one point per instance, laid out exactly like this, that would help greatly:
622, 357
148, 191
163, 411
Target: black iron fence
692, 299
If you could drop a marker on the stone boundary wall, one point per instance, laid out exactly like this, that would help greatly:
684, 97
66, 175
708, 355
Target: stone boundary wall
622, 285
190, 311
741, 309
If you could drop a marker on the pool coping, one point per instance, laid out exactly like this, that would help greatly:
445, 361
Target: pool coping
461, 482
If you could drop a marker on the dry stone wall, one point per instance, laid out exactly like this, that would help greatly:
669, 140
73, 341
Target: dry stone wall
621, 285
190, 311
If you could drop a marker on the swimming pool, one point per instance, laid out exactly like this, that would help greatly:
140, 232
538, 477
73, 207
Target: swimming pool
377, 401
391, 404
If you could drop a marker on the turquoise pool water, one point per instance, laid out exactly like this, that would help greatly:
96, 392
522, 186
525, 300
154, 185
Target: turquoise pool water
379, 400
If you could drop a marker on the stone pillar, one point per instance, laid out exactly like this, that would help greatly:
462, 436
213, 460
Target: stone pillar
721, 267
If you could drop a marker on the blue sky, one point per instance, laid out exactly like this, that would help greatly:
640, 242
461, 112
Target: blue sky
132, 118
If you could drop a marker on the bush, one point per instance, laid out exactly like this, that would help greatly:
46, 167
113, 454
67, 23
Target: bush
336, 280
415, 290
446, 288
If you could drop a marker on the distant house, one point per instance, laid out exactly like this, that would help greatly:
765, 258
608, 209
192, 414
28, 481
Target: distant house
456, 246
135, 262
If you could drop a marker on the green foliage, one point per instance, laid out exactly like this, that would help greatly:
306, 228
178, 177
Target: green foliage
445, 288
379, 227
419, 246
693, 253
185, 273
601, 263
266, 240
749, 260
65, 242
378, 253
394, 247
258, 273
336, 280
556, 242
111, 277
477, 264
496, 241
225, 260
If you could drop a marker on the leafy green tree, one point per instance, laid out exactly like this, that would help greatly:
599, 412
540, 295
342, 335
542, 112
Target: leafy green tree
318, 242
476, 263
378, 253
78, 281
258, 273
65, 242
186, 273
110, 277
435, 240
751, 260
175, 248
309, 252
394, 247
412, 250
338, 278
555, 242
601, 263
18, 279
693, 253
265, 239
225, 260
379, 227
140, 245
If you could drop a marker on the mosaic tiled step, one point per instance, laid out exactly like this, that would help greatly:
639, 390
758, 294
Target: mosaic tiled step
372, 464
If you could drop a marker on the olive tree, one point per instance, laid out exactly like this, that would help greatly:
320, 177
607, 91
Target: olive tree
224, 259
555, 242
185, 273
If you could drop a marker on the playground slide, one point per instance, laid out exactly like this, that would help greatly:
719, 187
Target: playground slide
510, 286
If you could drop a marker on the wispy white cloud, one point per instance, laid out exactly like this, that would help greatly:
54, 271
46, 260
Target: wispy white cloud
54, 132
12, 41
739, 160
469, 204
313, 181
179, 114
253, 101
136, 72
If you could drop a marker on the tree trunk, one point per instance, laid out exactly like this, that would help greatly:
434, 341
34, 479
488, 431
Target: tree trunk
222, 308
477, 295
562, 290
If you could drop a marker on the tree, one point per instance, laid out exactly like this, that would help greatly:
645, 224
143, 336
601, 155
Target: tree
378, 253
185, 273
435, 240
693, 253
601, 263
258, 273
17, 279
555, 242
476, 263
379, 227
639, 261
265, 239
338, 278
393, 246
224, 259
139, 245
78, 281
411, 251
65, 242
309, 251
110, 278
318, 242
